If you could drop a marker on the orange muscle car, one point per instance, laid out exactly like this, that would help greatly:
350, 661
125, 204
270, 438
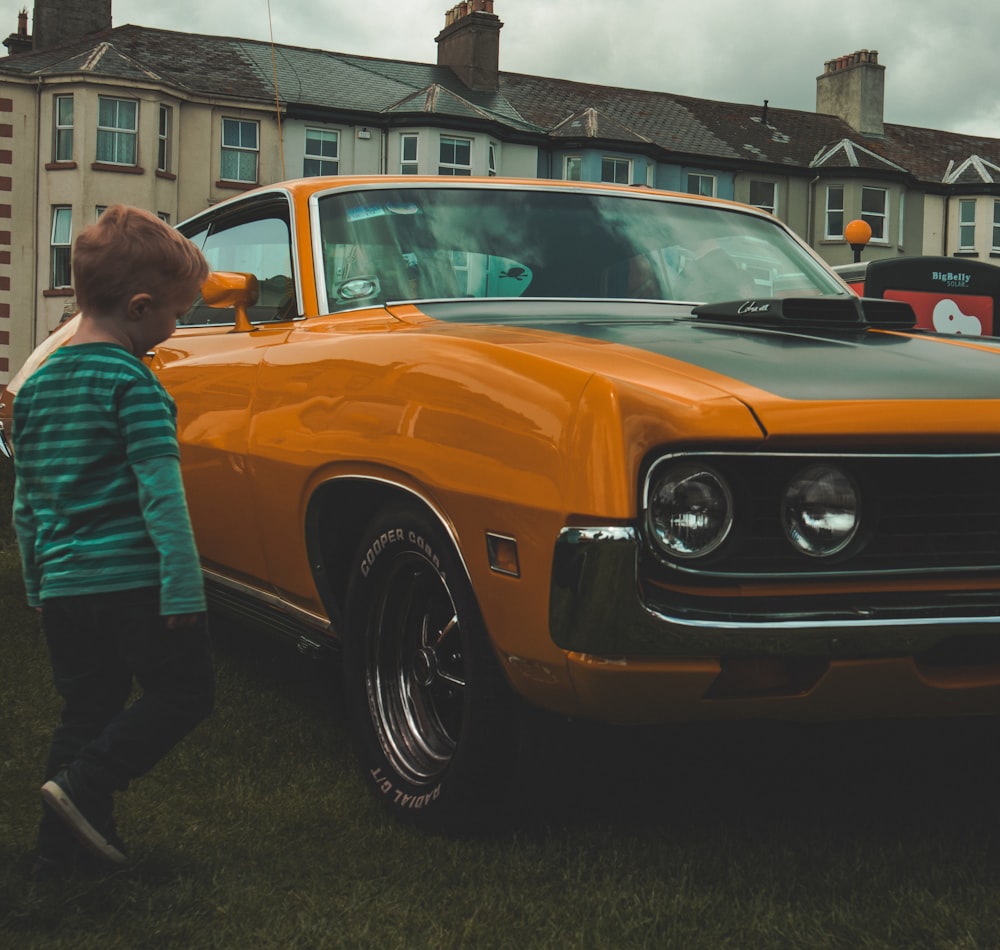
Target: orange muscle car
612, 452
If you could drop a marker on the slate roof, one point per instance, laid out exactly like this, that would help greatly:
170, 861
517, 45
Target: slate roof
974, 170
195, 64
854, 155
591, 123
927, 153
553, 112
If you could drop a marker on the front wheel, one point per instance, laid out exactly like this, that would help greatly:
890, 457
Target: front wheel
430, 711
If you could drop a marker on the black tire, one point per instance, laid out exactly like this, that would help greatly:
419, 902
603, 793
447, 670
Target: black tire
430, 712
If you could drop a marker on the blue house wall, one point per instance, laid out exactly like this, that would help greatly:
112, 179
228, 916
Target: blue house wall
665, 176
674, 178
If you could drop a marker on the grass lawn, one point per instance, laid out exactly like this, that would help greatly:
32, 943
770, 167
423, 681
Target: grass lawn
257, 833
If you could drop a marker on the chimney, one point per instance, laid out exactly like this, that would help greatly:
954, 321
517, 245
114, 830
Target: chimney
852, 87
470, 44
62, 21
19, 42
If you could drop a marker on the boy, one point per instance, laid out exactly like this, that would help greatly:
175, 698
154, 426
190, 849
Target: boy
106, 543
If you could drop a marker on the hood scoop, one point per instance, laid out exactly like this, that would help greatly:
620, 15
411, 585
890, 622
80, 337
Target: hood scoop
848, 314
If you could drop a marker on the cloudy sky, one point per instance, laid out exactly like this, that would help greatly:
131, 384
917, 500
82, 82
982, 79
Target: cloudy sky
940, 56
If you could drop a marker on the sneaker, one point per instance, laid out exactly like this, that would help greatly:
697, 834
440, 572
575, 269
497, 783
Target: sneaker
83, 865
44, 868
35, 867
90, 823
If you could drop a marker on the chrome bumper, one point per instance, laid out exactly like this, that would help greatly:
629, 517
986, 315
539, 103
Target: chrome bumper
597, 606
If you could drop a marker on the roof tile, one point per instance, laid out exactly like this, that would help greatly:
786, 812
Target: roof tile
552, 109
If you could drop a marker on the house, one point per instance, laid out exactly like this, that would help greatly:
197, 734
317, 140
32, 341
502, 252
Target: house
91, 114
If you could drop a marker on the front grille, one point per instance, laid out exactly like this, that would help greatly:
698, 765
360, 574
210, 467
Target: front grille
919, 514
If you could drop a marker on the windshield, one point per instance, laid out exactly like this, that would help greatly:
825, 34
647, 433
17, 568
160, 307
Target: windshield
414, 243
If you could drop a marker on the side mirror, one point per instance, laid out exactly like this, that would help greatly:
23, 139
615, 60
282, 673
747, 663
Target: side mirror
230, 289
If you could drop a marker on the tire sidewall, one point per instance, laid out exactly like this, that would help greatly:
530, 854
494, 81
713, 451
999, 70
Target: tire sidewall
467, 794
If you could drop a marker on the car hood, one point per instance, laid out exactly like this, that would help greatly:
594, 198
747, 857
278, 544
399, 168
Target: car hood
788, 376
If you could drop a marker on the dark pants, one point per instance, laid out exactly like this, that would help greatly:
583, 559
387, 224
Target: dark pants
98, 645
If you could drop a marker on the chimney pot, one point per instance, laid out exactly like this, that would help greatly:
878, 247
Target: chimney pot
19, 42
469, 44
852, 87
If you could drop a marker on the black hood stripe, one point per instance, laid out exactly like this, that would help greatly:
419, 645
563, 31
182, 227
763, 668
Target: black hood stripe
856, 365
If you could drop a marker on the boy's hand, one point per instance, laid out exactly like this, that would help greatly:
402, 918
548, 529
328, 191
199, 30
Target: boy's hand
182, 620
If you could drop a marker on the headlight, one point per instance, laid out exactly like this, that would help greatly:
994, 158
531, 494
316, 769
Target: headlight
689, 510
821, 510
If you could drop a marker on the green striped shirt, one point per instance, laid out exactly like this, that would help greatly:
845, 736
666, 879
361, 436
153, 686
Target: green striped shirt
99, 504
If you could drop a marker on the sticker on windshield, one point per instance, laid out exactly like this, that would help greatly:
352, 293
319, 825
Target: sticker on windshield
370, 211
401, 207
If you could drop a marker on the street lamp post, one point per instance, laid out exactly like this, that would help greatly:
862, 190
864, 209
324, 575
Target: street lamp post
858, 233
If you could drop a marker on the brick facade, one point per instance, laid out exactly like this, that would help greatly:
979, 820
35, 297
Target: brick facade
6, 160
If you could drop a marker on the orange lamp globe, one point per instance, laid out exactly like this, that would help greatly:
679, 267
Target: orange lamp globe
858, 232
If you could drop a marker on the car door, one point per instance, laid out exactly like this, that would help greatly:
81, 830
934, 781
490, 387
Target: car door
210, 367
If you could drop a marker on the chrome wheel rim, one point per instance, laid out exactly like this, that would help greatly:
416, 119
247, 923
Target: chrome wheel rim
415, 673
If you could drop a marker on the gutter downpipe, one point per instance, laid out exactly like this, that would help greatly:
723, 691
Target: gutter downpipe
37, 185
946, 207
810, 214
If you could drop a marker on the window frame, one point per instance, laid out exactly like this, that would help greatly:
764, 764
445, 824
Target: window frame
60, 248
833, 212
876, 220
966, 228
240, 150
454, 168
165, 122
614, 163
996, 226
244, 219
319, 158
408, 165
61, 131
770, 207
118, 134
701, 176
572, 163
